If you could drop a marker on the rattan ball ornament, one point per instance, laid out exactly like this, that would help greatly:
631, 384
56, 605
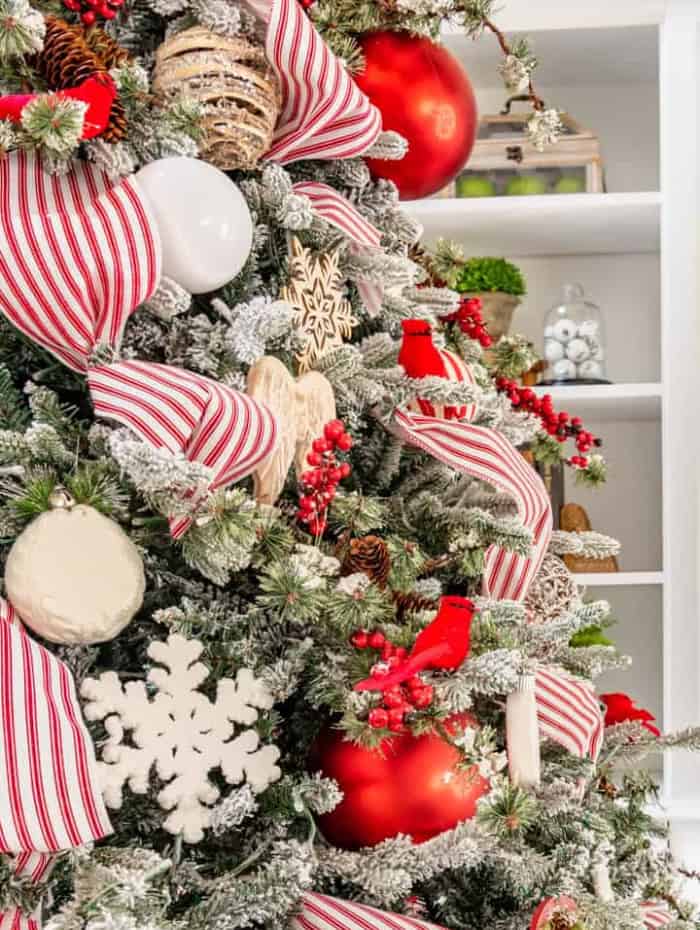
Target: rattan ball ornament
233, 82
73, 575
552, 593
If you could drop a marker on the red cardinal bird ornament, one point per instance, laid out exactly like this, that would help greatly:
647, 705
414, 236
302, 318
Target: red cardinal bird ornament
98, 92
619, 708
444, 643
420, 357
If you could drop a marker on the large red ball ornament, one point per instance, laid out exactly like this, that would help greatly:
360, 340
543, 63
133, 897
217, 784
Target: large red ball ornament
409, 785
424, 94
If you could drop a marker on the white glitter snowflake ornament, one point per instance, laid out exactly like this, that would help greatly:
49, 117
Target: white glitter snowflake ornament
181, 733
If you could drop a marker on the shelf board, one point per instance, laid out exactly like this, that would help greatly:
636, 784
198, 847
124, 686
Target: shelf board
607, 402
617, 579
550, 224
553, 15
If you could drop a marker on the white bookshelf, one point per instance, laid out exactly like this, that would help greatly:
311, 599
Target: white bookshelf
629, 70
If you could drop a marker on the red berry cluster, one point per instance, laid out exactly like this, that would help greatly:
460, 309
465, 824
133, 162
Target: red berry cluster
90, 9
320, 482
561, 426
400, 699
469, 319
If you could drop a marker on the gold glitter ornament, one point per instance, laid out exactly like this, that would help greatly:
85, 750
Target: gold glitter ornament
323, 317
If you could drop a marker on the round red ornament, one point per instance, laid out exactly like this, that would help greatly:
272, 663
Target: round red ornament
424, 94
549, 907
409, 785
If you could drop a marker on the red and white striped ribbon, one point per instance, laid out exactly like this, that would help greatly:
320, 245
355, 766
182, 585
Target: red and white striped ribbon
490, 457
321, 912
336, 209
78, 254
568, 712
50, 797
656, 914
324, 113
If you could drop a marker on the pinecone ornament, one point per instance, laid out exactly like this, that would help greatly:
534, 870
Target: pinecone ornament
72, 54
370, 555
412, 602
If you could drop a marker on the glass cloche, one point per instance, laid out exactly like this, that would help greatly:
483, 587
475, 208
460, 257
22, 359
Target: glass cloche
574, 340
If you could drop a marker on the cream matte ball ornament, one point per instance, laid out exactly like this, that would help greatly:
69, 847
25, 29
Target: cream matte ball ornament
203, 220
73, 575
564, 330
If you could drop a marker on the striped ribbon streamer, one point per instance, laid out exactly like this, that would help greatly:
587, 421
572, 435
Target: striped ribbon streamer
78, 253
568, 712
321, 912
50, 799
336, 209
324, 113
656, 914
488, 456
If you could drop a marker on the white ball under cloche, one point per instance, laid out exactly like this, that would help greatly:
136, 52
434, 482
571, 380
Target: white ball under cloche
564, 330
553, 350
590, 369
73, 575
589, 329
564, 370
578, 350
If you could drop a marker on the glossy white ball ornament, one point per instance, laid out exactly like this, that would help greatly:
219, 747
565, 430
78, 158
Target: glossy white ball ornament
564, 330
564, 370
553, 350
205, 227
578, 350
73, 575
590, 369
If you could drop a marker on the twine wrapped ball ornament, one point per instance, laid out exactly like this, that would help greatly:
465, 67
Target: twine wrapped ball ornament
553, 591
233, 82
73, 575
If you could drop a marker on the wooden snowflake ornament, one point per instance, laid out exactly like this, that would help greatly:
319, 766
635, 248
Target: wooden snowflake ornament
181, 734
323, 317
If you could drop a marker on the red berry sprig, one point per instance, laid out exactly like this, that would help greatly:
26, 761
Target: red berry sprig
469, 319
398, 700
561, 426
319, 484
90, 10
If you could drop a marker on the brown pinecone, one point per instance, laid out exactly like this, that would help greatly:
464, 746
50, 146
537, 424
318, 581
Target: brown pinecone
67, 60
368, 554
410, 602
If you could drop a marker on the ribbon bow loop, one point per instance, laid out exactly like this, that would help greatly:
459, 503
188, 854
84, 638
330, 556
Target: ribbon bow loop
78, 254
50, 797
324, 113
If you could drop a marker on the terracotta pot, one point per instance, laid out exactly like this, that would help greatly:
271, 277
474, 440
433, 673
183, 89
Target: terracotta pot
497, 311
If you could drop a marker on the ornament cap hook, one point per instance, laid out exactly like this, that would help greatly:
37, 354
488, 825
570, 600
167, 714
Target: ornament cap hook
61, 498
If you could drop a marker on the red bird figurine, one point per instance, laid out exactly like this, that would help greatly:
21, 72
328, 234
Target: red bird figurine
619, 708
444, 643
420, 357
97, 91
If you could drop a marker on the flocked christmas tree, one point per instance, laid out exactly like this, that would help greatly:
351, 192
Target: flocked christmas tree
277, 542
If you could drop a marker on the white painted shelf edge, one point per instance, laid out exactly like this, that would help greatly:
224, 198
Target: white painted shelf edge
548, 224
630, 401
617, 579
553, 14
